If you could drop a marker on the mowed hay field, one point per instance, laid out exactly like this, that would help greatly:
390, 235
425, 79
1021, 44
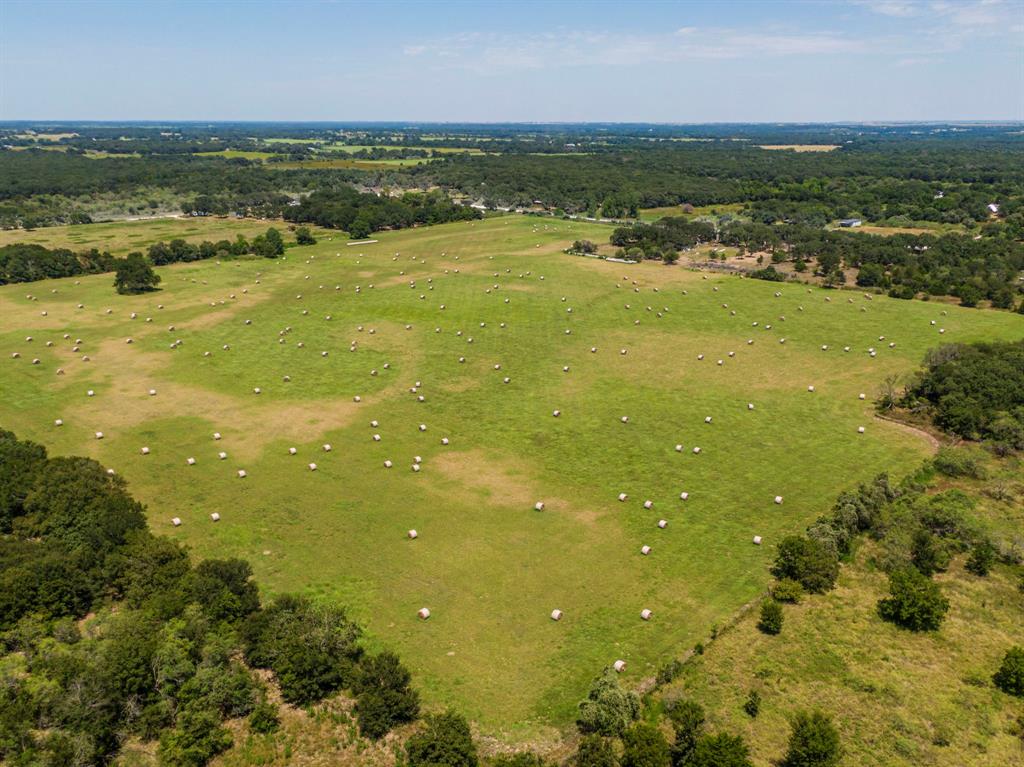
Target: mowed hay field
488, 565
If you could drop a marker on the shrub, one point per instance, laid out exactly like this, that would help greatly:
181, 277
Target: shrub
927, 553
771, 617
196, 738
304, 237
264, 718
722, 750
522, 759
445, 740
752, 705
915, 602
384, 697
608, 709
1010, 676
958, 462
807, 561
687, 719
982, 558
814, 742
787, 590
594, 751
644, 746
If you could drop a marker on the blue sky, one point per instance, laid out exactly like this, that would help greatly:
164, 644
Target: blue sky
698, 61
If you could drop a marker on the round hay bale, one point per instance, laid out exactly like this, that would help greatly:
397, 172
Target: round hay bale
412, 534
99, 435
222, 455
679, 448
623, 497
620, 665
376, 438
444, 440
810, 388
90, 393
190, 461
648, 504
415, 467
646, 614
176, 521
860, 429
684, 496
423, 427
292, 451
387, 464
662, 523
556, 413
539, 506
327, 448
707, 419
58, 422
757, 540
778, 499
423, 613
215, 517
625, 419
242, 474
312, 467
144, 451
216, 435
696, 451
556, 615
645, 550
861, 396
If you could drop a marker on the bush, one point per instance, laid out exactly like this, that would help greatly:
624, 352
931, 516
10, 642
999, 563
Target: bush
304, 237
927, 553
915, 602
608, 709
264, 718
445, 740
787, 590
808, 561
958, 462
384, 697
195, 740
982, 558
814, 742
771, 617
644, 746
1010, 676
752, 705
687, 719
722, 750
594, 751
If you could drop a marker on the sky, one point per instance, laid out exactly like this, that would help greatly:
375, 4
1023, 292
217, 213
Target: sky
518, 60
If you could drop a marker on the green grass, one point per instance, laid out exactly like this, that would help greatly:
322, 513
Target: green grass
122, 237
898, 698
230, 153
649, 215
488, 566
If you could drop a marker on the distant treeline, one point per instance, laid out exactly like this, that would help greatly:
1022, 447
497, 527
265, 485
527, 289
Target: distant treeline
360, 214
28, 263
906, 265
922, 181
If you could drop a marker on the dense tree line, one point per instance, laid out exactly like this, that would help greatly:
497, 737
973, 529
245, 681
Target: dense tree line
360, 214
949, 182
975, 391
161, 657
28, 263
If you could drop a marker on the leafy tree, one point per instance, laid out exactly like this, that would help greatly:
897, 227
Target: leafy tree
446, 740
982, 559
312, 649
808, 561
384, 697
594, 751
223, 589
687, 719
915, 602
304, 237
813, 742
196, 738
135, 274
771, 617
722, 750
1010, 676
644, 746
264, 718
21, 460
927, 553
608, 708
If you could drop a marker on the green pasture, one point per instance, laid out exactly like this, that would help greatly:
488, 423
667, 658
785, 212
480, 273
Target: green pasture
488, 565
